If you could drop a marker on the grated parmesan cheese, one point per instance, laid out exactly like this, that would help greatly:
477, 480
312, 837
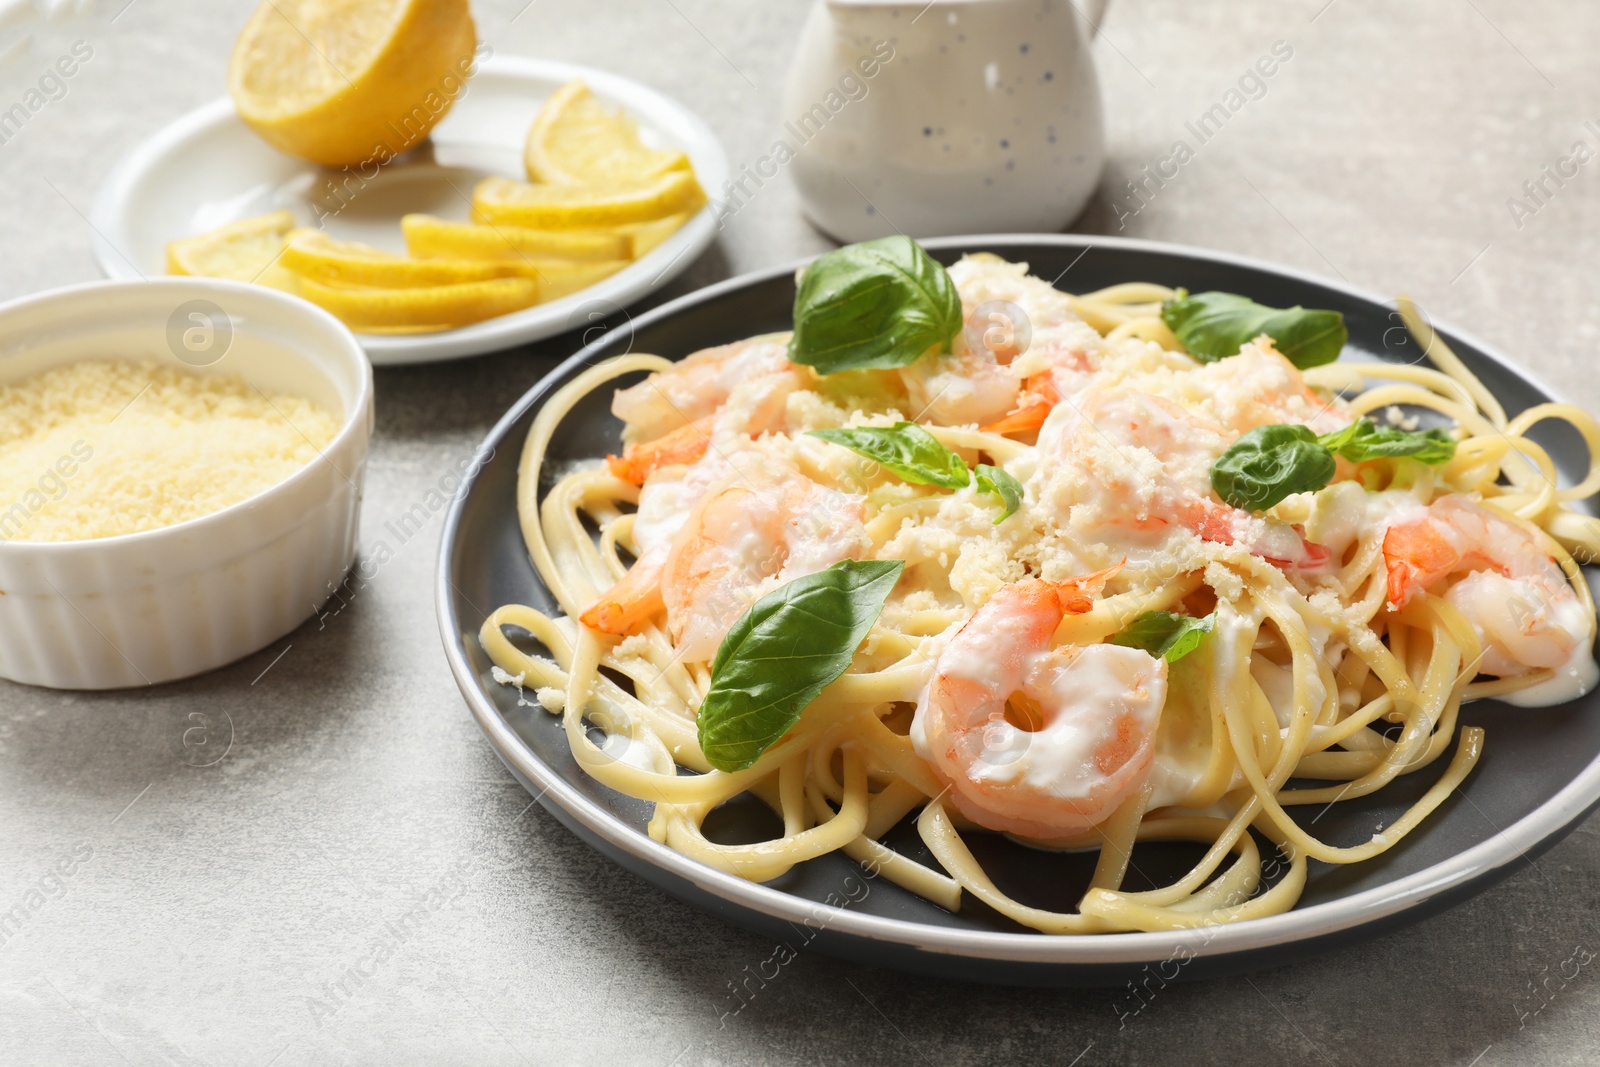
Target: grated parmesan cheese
505, 677
1395, 415
101, 448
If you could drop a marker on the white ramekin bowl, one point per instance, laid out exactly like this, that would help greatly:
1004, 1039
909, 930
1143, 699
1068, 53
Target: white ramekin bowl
168, 603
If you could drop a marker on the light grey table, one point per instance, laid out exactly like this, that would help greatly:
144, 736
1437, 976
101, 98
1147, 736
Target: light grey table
252, 911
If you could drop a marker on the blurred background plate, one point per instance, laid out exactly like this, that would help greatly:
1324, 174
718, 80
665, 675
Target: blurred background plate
1539, 775
208, 168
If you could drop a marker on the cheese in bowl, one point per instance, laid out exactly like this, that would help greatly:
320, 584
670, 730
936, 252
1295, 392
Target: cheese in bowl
181, 463
102, 448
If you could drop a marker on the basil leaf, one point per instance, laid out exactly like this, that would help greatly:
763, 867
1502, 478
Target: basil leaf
995, 480
907, 449
783, 651
1364, 439
1269, 463
877, 304
1213, 326
1165, 635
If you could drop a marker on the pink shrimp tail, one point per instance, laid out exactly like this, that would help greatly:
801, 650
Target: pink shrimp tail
1076, 595
628, 604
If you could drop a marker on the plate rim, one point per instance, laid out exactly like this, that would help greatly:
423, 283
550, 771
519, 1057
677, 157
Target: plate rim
111, 210
1483, 861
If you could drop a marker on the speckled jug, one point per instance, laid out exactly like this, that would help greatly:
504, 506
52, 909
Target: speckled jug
955, 116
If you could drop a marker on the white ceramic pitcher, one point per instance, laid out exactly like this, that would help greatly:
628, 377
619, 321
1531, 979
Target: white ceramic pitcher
955, 116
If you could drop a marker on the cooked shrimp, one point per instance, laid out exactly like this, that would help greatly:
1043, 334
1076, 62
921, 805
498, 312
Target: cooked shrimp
1517, 598
696, 386
756, 532
629, 603
1134, 463
749, 408
959, 389
682, 446
668, 497
1132, 468
1039, 395
1057, 336
1011, 386
1033, 740
1259, 387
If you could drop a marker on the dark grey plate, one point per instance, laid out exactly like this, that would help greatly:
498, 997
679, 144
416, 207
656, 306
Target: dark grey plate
1538, 778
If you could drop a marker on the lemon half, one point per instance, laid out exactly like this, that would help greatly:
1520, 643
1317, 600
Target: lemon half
348, 82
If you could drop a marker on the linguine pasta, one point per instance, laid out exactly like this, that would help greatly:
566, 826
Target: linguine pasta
1335, 633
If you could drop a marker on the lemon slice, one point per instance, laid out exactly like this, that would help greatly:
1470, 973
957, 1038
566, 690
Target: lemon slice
315, 255
575, 139
572, 207
347, 82
430, 237
434, 238
400, 331
557, 280
246, 251
645, 236
430, 306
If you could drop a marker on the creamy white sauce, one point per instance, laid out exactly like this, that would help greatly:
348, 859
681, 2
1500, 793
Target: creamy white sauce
919, 726
1337, 514
1278, 685
1573, 679
624, 749
1341, 512
1082, 694
664, 504
1174, 775
1084, 699
1231, 630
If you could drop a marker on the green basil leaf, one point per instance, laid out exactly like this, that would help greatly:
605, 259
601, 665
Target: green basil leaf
877, 304
782, 652
1364, 439
1213, 326
907, 449
1165, 635
1269, 463
995, 480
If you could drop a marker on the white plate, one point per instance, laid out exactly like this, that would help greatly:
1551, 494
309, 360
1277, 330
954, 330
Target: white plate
209, 168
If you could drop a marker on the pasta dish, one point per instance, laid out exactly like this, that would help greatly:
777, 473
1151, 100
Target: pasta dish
1084, 570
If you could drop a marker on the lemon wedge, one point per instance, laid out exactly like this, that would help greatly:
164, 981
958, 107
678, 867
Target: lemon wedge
645, 236
557, 280
247, 251
430, 237
429, 306
347, 82
433, 238
503, 202
313, 254
577, 140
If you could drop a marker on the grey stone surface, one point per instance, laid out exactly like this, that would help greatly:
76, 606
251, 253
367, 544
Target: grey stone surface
214, 910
